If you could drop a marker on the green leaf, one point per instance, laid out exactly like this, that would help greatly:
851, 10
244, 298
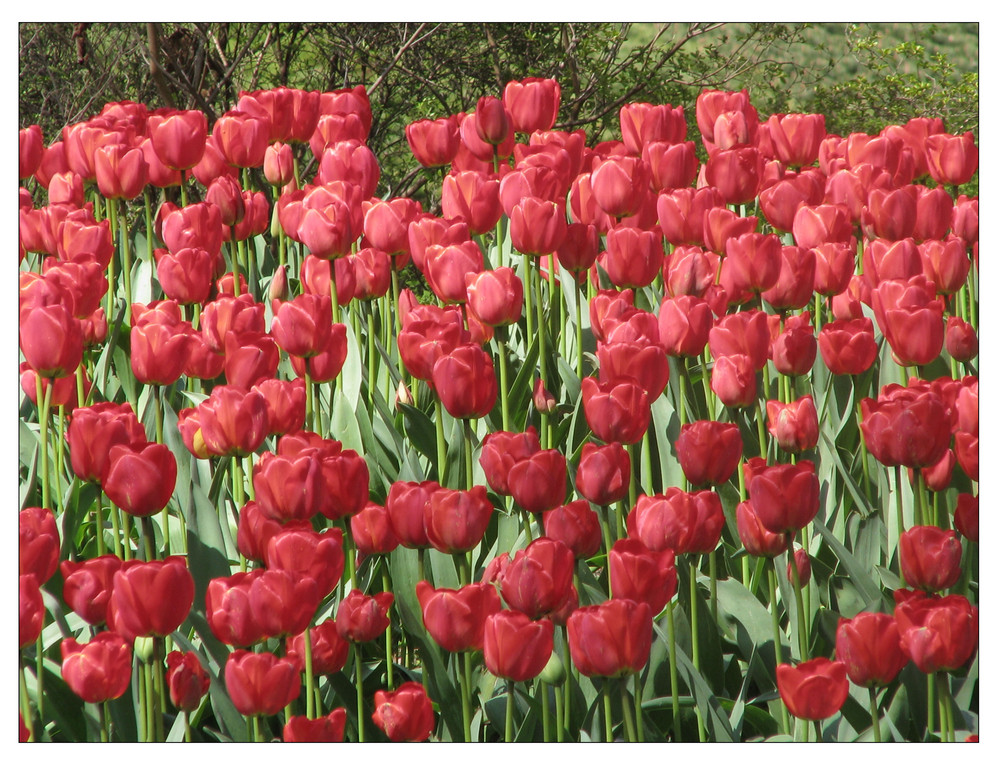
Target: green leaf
420, 431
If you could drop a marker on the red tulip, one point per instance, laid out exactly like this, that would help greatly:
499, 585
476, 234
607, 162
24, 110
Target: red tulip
951, 159
796, 137
405, 714
31, 146
612, 639
447, 268
755, 538
87, 586
279, 167
286, 404
306, 553
793, 351
869, 646
744, 333
532, 103
261, 683
38, 543
945, 263
815, 689
967, 516
930, 558
905, 427
495, 297
456, 520
516, 648
501, 450
178, 137
140, 480
709, 451
734, 381
615, 411
186, 276
30, 610
405, 506
465, 381
151, 598
361, 618
639, 573
576, 526
684, 522
794, 426
372, 532
472, 197
228, 314
603, 473
537, 226
233, 421
784, 497
634, 256
620, 185
434, 143
681, 214
938, 633
51, 340
196, 225
538, 579
965, 219
323, 730
538, 482
329, 649
456, 619
186, 679
99, 670
684, 322
848, 345
228, 611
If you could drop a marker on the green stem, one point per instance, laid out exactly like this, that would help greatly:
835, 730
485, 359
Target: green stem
148, 538
508, 725
674, 691
579, 332
627, 712
543, 699
43, 424
609, 736
646, 475
126, 260
931, 703
761, 416
695, 647
467, 443
187, 727
387, 587
529, 312
371, 356
334, 300
466, 707
504, 387
310, 404
921, 493
526, 524
148, 213
102, 714
112, 284
604, 514
442, 453
772, 583
99, 523
115, 529
799, 606
899, 499
310, 700
22, 684
560, 716
713, 595
640, 733
358, 680
873, 706
60, 450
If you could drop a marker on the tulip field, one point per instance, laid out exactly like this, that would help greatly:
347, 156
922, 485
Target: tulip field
670, 437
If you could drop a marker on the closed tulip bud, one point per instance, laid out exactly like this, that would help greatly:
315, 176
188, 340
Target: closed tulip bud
501, 450
473, 198
642, 575
615, 411
140, 480
612, 639
328, 729
544, 401
186, 679
151, 598
755, 538
455, 520
87, 586
537, 226
736, 173
31, 147
99, 670
951, 159
233, 421
361, 618
30, 610
684, 324
869, 646
261, 683
848, 345
734, 381
372, 532
803, 567
930, 558
684, 522
794, 350
447, 268
532, 103
305, 553
796, 137
228, 611
515, 647
538, 482
279, 164
329, 649
38, 543
634, 256
945, 263
196, 225
178, 137
603, 474
884, 259
967, 516
492, 122
434, 143
795, 426
576, 526
784, 497
813, 690
456, 619
938, 633
620, 185
495, 297
671, 165
465, 381
709, 451
405, 505
405, 714
51, 340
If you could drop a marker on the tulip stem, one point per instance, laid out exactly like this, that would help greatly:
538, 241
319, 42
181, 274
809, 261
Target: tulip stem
148, 538
308, 422
543, 699
706, 384
873, 705
26, 702
546, 424
112, 285
529, 313
115, 530
761, 416
526, 523
640, 733
102, 714
579, 332
463, 682
772, 583
604, 516
899, 500
504, 404
799, 606
60, 449
609, 735
371, 356
467, 433
310, 701
43, 424
387, 587
334, 300
627, 712
674, 691
695, 647
508, 725
646, 477
441, 451
944, 699
126, 258
713, 595
633, 487
925, 518
358, 681
99, 523
148, 214
560, 716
